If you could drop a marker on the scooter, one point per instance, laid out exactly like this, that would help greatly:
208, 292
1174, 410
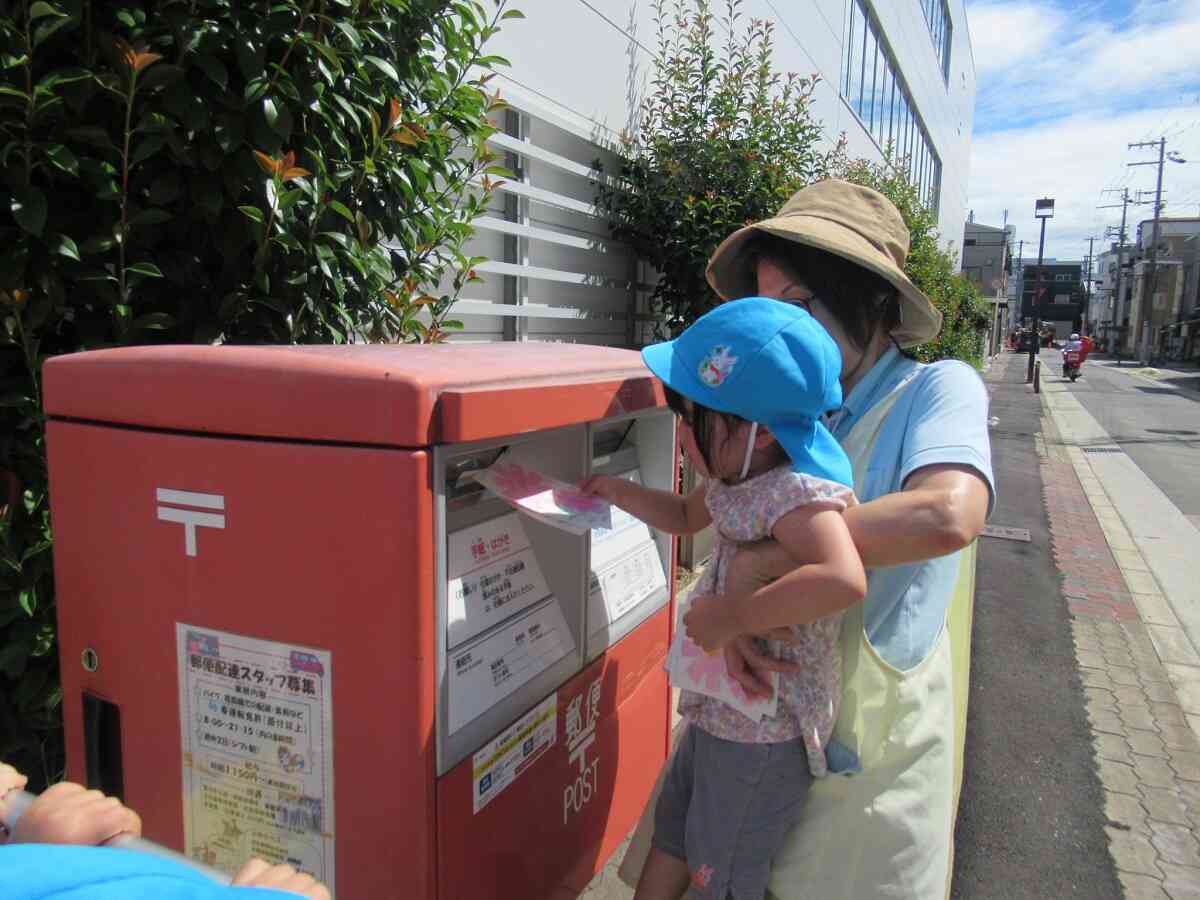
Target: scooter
1072, 363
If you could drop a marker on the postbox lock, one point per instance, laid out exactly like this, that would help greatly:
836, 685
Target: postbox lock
90, 660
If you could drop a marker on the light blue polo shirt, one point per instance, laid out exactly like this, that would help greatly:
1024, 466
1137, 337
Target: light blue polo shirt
45, 871
940, 418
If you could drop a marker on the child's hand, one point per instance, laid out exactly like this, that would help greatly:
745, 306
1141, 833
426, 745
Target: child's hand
10, 780
604, 486
710, 622
68, 813
256, 873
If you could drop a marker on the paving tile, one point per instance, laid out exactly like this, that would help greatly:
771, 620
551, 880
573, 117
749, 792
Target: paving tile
1193, 722
1153, 772
1173, 646
1109, 722
1130, 560
1137, 717
1095, 678
1120, 657
1186, 764
1165, 805
1117, 777
1167, 714
1122, 675
1146, 743
1186, 681
1132, 852
1155, 609
1175, 844
1112, 746
1127, 810
1091, 659
1130, 695
1141, 887
1177, 737
1087, 641
1152, 672
1180, 882
1159, 692
1139, 582
1099, 698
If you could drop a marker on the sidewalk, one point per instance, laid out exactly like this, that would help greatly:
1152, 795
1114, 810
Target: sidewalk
1123, 550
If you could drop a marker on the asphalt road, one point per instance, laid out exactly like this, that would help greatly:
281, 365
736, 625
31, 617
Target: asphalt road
1031, 815
1156, 425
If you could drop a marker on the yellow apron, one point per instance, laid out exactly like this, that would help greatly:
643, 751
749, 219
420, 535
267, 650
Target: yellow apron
887, 831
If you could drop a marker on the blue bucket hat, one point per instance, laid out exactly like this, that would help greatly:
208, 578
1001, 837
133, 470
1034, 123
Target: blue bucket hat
767, 362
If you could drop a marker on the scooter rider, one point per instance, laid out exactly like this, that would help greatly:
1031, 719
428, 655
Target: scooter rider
1074, 345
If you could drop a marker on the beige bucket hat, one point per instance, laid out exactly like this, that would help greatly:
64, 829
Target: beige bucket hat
847, 220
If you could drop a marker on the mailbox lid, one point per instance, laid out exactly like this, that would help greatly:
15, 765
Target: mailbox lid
405, 396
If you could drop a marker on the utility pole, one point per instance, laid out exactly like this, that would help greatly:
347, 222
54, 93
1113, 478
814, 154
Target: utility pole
1151, 280
1087, 285
1124, 204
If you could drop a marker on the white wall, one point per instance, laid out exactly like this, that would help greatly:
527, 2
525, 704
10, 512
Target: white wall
590, 62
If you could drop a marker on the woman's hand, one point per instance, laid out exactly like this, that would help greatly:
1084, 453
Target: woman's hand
68, 813
710, 622
753, 567
256, 873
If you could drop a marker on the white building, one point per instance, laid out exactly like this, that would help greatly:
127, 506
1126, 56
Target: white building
892, 72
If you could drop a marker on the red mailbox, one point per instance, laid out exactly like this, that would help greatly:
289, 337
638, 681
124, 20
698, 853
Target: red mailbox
291, 628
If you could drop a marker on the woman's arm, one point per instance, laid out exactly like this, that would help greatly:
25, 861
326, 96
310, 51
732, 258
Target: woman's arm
940, 510
664, 510
826, 577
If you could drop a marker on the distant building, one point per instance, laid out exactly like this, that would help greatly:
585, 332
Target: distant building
985, 257
1057, 290
1158, 316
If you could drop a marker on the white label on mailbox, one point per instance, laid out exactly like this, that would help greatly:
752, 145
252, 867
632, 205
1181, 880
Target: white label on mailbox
626, 567
513, 751
256, 720
484, 673
492, 574
616, 590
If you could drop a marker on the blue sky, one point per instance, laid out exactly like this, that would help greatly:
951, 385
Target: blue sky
1062, 89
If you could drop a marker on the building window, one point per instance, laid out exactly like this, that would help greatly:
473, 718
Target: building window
937, 17
874, 88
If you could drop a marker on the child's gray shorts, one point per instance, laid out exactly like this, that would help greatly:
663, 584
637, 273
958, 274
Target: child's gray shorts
725, 808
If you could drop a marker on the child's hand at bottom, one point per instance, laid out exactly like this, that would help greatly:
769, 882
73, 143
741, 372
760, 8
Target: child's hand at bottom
256, 873
710, 622
68, 813
606, 487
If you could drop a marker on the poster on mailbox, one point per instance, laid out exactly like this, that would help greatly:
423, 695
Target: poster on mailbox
257, 728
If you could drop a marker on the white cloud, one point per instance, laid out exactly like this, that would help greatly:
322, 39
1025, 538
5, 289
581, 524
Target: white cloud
1073, 159
1036, 59
1004, 34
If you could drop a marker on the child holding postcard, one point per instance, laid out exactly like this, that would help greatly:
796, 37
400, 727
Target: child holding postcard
740, 775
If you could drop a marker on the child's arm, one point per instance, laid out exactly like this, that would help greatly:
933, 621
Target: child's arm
828, 578
664, 510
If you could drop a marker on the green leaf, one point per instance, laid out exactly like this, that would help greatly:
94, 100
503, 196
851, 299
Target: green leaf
63, 159
148, 269
270, 111
512, 14
63, 246
29, 209
43, 32
252, 212
383, 66
213, 68
147, 148
342, 211
13, 92
157, 321
41, 9
28, 600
